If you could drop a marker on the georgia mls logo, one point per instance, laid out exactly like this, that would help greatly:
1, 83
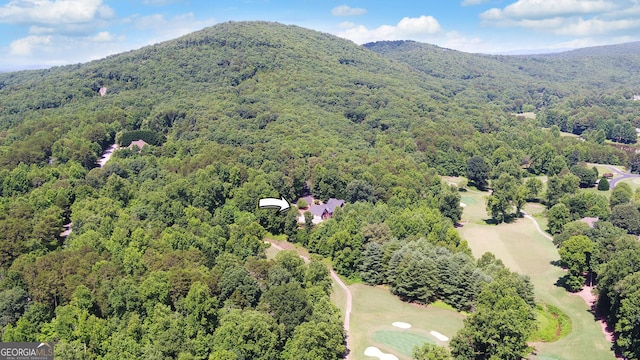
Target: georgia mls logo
26, 351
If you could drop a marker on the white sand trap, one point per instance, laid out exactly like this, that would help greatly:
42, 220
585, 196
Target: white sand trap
375, 352
402, 325
439, 336
463, 204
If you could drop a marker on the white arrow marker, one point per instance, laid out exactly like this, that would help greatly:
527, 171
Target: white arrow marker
271, 203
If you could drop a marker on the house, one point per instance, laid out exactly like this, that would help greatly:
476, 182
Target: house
607, 175
324, 211
589, 221
139, 143
103, 91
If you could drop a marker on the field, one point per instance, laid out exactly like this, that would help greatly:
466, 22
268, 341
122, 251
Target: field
524, 250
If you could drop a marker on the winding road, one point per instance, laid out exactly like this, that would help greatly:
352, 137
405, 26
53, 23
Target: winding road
623, 176
340, 283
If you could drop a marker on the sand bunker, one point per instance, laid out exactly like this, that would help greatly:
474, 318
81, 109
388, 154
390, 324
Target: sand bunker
375, 352
439, 336
401, 325
463, 204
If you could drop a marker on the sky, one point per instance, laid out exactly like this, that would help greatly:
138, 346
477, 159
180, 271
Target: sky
45, 33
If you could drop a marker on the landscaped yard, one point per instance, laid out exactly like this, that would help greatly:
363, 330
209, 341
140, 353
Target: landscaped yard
524, 250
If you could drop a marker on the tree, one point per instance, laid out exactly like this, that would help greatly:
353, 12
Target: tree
431, 352
316, 341
621, 194
587, 176
360, 190
502, 202
626, 216
248, 333
603, 184
558, 216
449, 203
372, 269
575, 254
289, 305
478, 171
498, 329
534, 185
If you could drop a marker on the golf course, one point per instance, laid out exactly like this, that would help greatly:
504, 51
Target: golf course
382, 326
523, 249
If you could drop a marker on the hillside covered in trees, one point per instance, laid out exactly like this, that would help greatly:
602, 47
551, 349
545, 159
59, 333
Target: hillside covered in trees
166, 256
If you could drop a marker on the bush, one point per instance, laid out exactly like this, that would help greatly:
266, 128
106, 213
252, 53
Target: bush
302, 204
603, 184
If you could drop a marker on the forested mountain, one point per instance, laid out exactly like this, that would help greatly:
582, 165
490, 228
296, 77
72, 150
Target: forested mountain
166, 258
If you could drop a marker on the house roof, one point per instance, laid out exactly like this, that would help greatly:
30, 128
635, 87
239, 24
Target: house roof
139, 143
329, 206
589, 220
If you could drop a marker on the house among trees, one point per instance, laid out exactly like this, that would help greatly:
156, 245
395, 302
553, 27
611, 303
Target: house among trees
321, 211
139, 143
103, 91
589, 221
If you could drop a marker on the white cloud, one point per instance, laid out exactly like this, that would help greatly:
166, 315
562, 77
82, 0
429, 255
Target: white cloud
53, 12
103, 36
595, 27
346, 25
407, 29
473, 2
421, 25
345, 10
35, 29
575, 18
25, 46
535, 9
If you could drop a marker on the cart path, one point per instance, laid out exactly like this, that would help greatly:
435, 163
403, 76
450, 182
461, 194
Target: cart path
340, 283
535, 222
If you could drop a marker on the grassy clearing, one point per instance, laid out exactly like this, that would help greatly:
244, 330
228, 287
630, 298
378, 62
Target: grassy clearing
375, 309
524, 250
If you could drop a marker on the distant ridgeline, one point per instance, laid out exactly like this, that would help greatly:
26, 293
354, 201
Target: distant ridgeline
150, 137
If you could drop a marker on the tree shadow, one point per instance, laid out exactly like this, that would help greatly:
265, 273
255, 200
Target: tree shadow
557, 263
490, 221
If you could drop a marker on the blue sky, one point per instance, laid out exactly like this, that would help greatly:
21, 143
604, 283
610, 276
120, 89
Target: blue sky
44, 33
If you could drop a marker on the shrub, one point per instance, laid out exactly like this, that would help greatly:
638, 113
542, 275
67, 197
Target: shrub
603, 184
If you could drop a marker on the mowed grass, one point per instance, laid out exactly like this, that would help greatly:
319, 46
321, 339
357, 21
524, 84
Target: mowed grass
403, 341
375, 309
524, 250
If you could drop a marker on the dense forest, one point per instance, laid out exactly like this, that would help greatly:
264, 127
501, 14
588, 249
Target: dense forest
166, 257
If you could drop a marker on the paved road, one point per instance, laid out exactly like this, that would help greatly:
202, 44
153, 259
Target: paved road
622, 175
344, 287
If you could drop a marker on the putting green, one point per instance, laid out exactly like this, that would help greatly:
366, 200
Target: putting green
468, 200
402, 341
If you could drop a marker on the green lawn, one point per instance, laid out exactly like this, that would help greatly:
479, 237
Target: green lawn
375, 309
524, 250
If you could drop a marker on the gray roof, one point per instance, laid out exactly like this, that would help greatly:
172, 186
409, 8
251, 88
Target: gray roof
330, 206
